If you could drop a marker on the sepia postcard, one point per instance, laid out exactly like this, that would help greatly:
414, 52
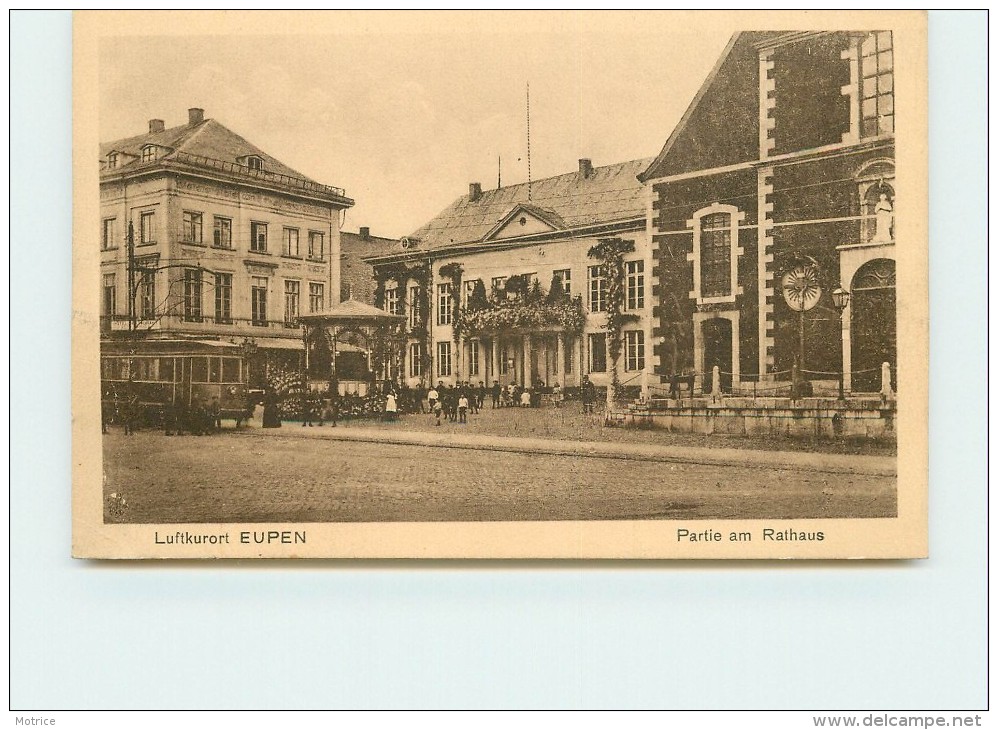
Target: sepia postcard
586, 285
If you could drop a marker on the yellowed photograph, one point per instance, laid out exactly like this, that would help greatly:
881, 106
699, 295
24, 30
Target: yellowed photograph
500, 285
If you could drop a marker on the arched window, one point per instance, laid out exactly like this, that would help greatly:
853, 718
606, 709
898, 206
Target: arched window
715, 253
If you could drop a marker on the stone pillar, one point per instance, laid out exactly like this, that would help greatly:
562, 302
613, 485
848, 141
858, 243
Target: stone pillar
847, 349
494, 358
715, 386
527, 379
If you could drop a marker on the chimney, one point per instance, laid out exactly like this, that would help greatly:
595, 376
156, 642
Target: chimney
195, 116
365, 233
586, 168
156, 125
474, 192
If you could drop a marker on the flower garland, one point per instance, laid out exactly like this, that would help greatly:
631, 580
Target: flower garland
568, 314
610, 253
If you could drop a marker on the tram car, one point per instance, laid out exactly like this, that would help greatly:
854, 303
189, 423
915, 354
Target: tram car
160, 377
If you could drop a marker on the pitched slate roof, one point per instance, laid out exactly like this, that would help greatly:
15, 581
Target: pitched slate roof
206, 143
608, 194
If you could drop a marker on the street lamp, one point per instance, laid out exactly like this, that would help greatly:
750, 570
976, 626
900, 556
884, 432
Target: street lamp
840, 300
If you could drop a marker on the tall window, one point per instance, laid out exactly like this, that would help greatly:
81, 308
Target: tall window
258, 300
414, 313
112, 161
473, 357
445, 304
147, 296
108, 234
291, 247
147, 227
192, 295
469, 289
597, 352
223, 298
416, 360
316, 245
566, 279
258, 237
316, 297
877, 66
597, 289
192, 227
634, 350
223, 232
715, 255
498, 282
110, 296
392, 301
635, 284
569, 355
443, 359
292, 294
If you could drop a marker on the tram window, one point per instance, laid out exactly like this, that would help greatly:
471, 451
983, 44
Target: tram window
230, 370
123, 369
166, 369
199, 369
146, 368
107, 368
215, 369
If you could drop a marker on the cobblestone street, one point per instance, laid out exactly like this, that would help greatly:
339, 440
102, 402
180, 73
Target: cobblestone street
300, 475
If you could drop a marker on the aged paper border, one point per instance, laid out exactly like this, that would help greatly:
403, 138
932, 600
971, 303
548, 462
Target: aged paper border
905, 536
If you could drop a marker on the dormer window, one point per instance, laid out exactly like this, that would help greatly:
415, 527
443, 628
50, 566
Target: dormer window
254, 163
150, 152
112, 161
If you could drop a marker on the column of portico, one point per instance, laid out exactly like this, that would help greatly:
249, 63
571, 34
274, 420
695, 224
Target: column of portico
527, 375
494, 358
561, 358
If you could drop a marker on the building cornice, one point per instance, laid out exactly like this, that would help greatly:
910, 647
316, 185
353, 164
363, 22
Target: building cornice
838, 149
180, 170
474, 247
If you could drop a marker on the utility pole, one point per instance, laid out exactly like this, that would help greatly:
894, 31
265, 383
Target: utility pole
132, 324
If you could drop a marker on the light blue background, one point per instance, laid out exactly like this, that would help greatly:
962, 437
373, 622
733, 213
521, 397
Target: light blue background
325, 635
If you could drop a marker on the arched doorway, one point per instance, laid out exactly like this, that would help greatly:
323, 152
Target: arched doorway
717, 351
874, 325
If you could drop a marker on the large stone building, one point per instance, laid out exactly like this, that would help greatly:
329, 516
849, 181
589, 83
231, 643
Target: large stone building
501, 286
228, 243
776, 189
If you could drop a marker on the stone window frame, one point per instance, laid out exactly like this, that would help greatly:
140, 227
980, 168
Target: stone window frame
736, 218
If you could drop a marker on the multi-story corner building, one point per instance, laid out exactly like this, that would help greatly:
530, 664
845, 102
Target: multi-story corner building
227, 243
776, 189
500, 286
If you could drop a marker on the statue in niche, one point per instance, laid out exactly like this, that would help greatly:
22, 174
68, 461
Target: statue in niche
884, 212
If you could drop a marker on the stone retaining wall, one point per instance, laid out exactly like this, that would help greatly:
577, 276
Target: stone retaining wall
806, 418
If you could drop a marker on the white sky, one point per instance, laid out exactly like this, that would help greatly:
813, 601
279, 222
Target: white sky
404, 117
